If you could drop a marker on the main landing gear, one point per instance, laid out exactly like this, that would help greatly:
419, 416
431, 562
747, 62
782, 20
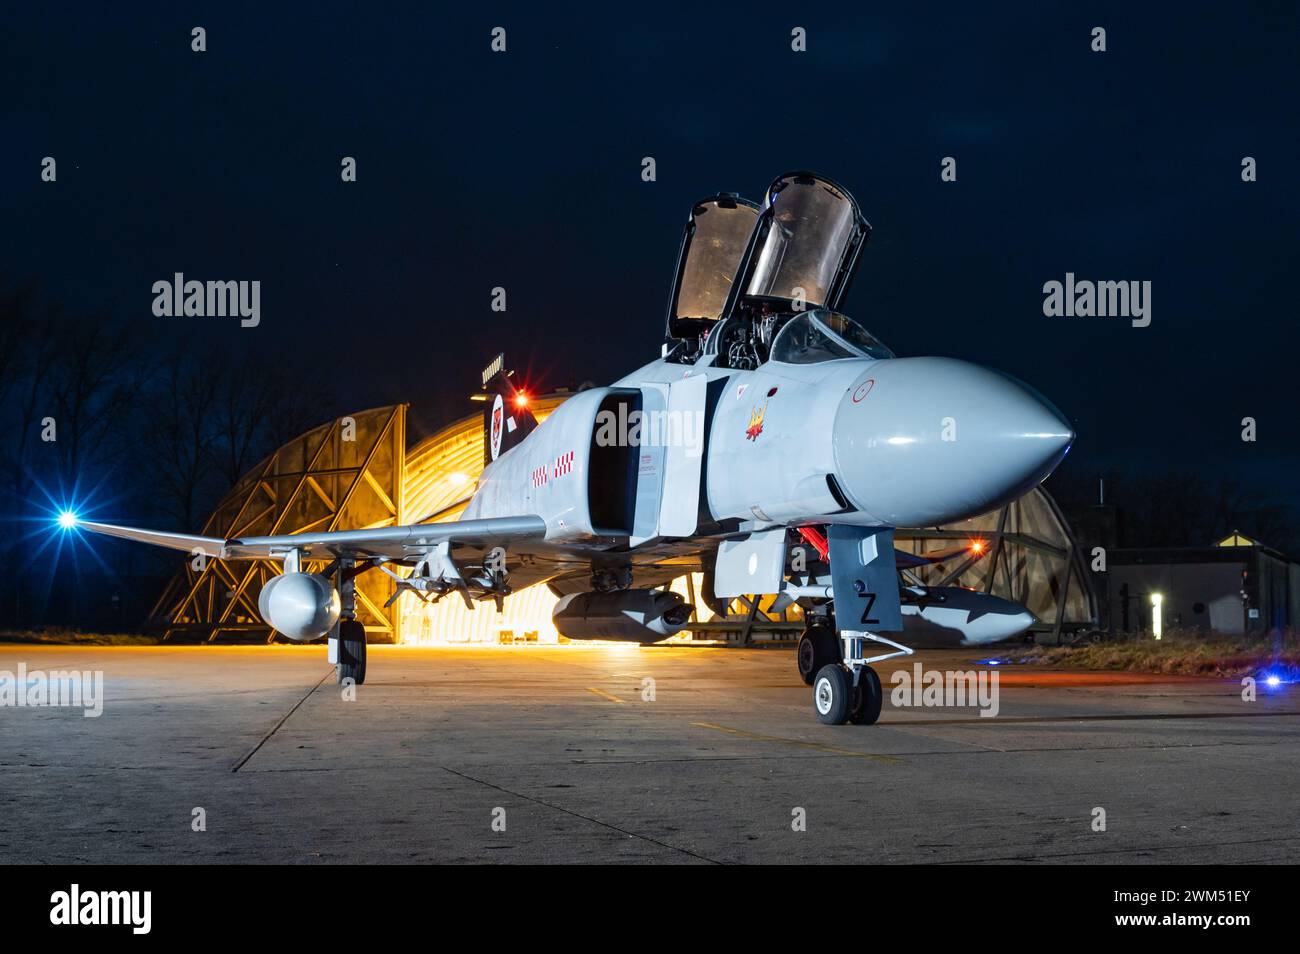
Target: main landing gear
351, 632
352, 651
849, 690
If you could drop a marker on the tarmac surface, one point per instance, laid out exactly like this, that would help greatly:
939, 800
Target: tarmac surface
718, 759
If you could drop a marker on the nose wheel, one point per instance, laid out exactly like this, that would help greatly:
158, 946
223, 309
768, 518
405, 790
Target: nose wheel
867, 698
832, 691
850, 692
839, 698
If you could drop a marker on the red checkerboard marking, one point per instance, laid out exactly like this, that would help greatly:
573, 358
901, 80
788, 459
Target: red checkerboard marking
563, 464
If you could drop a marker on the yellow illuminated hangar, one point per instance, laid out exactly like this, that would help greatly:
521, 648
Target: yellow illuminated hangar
350, 474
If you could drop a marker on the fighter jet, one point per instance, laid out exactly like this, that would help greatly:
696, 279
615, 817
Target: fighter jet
774, 444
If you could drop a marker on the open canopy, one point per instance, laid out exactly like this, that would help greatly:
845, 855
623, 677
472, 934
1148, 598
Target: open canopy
804, 249
797, 252
810, 228
713, 248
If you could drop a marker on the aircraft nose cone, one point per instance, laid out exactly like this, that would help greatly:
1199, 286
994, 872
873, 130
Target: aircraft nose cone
922, 441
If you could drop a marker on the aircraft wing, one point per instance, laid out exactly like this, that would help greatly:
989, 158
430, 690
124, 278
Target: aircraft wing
208, 546
909, 560
396, 543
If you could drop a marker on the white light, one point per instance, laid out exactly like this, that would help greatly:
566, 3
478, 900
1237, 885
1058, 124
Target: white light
458, 479
67, 520
1157, 614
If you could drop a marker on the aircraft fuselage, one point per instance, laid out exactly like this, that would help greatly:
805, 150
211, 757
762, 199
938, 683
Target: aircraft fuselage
865, 442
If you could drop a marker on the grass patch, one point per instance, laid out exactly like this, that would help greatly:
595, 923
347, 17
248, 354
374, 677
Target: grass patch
1179, 653
72, 637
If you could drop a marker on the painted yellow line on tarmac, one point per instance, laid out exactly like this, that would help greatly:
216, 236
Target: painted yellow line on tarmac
821, 747
605, 695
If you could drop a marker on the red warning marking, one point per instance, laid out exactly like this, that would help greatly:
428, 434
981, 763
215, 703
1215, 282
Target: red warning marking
818, 540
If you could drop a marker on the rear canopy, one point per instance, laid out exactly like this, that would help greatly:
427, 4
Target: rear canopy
713, 248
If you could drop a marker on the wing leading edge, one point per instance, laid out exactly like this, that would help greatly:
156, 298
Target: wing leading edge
395, 543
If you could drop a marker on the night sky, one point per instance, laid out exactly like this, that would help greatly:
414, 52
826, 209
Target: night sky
523, 170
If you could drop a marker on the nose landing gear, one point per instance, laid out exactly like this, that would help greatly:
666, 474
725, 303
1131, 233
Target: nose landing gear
850, 691
863, 568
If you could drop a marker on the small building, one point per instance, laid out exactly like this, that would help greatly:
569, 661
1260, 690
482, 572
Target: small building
1232, 587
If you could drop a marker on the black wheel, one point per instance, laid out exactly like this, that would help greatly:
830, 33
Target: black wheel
817, 647
867, 698
352, 651
832, 694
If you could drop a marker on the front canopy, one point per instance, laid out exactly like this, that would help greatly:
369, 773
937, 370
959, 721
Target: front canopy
805, 246
821, 335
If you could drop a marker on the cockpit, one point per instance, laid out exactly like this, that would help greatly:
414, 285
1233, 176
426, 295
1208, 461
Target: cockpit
822, 335
751, 279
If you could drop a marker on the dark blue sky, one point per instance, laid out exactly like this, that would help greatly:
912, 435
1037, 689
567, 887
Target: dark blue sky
523, 170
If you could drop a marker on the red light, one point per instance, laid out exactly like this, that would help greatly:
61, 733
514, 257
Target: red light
521, 399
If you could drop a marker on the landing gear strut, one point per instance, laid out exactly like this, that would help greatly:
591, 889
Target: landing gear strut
351, 631
850, 691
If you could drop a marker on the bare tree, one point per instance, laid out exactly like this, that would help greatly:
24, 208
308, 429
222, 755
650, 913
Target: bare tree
18, 329
180, 436
247, 398
1179, 508
261, 407
29, 354
96, 378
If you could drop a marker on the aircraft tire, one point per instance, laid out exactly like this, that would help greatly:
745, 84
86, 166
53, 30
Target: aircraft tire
817, 647
352, 651
864, 708
832, 694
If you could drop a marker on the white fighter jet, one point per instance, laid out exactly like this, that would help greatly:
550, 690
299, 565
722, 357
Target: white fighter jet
775, 445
